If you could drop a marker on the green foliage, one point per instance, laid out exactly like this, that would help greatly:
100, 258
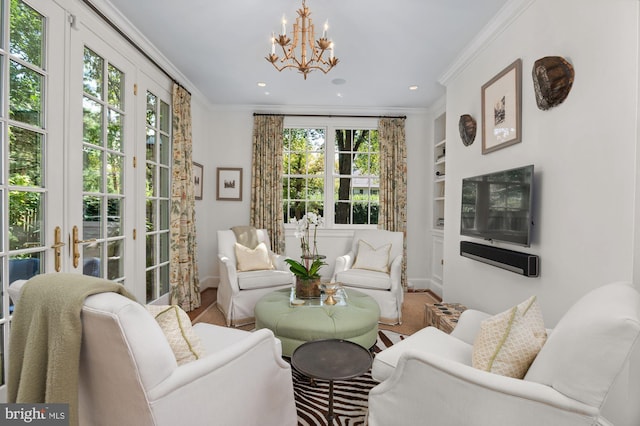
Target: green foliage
301, 271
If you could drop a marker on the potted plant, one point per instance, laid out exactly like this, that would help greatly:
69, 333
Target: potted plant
307, 270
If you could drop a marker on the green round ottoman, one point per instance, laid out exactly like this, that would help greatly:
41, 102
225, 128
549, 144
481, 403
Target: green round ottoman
356, 322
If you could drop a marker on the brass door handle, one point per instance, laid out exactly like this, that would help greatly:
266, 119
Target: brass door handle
76, 246
57, 247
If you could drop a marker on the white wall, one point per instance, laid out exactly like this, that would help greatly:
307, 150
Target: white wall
583, 152
223, 138
585, 156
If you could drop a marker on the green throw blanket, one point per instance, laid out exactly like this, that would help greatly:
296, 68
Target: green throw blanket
46, 334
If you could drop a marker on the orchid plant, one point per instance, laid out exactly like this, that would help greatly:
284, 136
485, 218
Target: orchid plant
311, 263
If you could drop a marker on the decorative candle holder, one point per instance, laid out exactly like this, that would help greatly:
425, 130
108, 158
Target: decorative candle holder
330, 290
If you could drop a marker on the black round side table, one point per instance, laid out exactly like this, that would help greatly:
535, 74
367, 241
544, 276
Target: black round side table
331, 359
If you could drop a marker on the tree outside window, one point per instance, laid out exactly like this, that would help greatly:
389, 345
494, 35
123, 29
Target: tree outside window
352, 174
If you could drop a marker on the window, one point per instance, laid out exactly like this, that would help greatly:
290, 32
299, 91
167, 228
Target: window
335, 165
157, 195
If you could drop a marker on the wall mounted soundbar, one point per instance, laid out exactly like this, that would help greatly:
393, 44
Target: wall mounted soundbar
521, 263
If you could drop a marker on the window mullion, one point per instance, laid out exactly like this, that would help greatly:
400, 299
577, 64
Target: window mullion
329, 177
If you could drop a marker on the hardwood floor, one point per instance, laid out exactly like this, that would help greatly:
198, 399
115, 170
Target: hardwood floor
208, 296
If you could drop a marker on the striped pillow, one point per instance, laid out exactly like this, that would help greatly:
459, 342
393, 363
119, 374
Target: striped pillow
176, 326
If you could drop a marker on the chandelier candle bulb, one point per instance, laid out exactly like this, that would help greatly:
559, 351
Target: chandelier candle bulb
284, 26
326, 27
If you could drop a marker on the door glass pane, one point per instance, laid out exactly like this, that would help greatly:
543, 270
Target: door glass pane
151, 211
25, 95
151, 144
115, 266
165, 153
91, 263
114, 217
151, 252
152, 112
92, 224
25, 157
92, 174
93, 74
114, 173
114, 136
26, 32
165, 118
25, 217
164, 247
116, 86
164, 214
92, 122
164, 182
23, 267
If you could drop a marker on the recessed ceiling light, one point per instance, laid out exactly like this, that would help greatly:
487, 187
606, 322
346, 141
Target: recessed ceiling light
262, 84
338, 81
414, 87
339, 94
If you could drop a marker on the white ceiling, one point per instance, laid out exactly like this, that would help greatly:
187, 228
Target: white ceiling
383, 47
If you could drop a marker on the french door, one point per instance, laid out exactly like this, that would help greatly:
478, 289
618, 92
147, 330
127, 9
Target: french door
71, 196
101, 179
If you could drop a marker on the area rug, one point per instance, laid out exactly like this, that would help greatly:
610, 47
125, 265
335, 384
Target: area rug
350, 397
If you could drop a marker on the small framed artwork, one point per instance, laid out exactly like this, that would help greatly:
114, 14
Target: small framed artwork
197, 180
229, 184
502, 109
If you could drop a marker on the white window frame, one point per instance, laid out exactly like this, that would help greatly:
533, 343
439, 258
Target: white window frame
330, 125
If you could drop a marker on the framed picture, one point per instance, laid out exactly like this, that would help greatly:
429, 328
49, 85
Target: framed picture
197, 180
502, 109
229, 184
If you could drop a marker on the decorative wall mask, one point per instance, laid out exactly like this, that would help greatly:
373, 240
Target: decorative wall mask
552, 80
467, 126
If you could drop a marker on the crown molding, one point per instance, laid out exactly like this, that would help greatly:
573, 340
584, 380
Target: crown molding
501, 21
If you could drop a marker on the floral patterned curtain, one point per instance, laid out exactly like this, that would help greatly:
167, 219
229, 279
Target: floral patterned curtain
266, 178
393, 181
184, 285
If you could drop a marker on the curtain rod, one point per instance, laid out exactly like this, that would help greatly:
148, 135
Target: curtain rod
131, 42
334, 116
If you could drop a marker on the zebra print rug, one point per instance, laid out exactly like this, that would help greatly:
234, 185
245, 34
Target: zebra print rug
349, 396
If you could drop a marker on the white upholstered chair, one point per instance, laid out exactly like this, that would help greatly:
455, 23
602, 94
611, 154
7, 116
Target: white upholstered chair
383, 284
129, 375
581, 376
238, 291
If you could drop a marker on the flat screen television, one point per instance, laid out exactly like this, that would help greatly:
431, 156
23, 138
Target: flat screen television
497, 206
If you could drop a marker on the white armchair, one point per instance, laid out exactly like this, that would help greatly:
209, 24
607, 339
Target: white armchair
383, 284
238, 291
129, 374
572, 381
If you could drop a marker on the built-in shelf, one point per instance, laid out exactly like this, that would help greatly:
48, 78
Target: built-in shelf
439, 170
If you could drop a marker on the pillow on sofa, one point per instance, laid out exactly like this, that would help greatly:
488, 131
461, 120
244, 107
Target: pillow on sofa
176, 326
508, 342
256, 259
373, 259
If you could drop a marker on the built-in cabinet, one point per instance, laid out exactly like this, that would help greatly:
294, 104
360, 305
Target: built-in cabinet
439, 193
439, 170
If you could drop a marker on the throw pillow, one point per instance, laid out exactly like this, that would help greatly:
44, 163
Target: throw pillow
508, 342
373, 259
253, 259
176, 326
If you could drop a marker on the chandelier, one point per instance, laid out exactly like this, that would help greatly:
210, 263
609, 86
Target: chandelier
310, 55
